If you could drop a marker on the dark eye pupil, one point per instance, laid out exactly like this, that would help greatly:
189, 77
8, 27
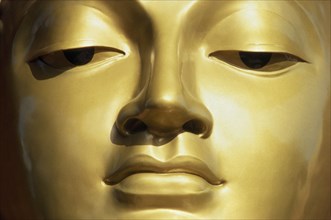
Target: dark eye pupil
79, 56
255, 60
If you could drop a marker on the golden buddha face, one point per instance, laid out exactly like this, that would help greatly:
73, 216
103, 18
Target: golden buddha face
169, 109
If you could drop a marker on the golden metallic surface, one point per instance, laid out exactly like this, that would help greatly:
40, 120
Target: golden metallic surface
170, 109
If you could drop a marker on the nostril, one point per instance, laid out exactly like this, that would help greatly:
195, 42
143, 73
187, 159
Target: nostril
134, 125
194, 126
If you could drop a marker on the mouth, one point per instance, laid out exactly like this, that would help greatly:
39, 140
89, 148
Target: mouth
144, 183
182, 165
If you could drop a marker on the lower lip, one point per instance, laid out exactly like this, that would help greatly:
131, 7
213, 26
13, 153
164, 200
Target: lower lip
163, 184
172, 191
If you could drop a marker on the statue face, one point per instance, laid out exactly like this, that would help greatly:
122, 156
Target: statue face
186, 109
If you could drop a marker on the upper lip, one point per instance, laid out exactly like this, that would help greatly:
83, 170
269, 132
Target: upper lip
148, 164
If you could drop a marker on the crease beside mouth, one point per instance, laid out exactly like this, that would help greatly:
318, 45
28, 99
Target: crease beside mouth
179, 165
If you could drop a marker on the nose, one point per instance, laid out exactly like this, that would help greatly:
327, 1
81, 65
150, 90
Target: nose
165, 107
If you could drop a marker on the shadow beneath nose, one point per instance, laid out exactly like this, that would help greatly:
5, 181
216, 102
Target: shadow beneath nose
139, 138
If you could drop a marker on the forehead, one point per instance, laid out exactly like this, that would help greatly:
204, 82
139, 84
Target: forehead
291, 10
309, 17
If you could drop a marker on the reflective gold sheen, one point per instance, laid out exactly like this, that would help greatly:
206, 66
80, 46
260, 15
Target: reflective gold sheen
169, 109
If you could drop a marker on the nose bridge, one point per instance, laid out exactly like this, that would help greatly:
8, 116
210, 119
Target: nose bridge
166, 100
165, 85
165, 107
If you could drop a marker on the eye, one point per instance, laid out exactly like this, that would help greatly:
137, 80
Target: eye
70, 58
255, 60
258, 61
79, 56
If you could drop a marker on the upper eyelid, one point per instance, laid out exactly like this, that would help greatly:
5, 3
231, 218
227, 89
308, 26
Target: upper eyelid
275, 34
263, 48
263, 71
45, 38
35, 53
272, 52
59, 59
260, 48
76, 44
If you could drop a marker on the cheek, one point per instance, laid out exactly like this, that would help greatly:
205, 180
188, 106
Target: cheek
266, 131
70, 104
65, 125
287, 109
76, 102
